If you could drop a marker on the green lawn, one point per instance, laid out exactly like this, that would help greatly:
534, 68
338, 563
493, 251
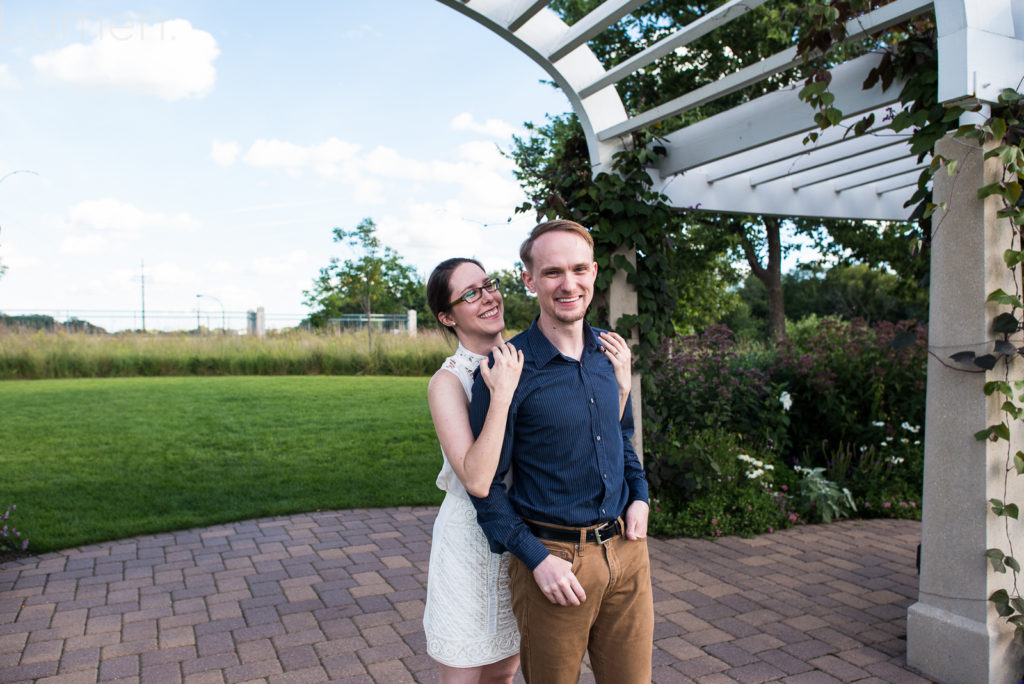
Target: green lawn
89, 460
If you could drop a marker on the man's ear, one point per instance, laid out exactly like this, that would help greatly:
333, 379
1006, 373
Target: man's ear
528, 281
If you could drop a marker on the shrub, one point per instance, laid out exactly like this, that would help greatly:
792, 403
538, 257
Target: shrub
723, 511
820, 499
846, 376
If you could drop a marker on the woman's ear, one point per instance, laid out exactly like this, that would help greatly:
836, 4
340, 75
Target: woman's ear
445, 319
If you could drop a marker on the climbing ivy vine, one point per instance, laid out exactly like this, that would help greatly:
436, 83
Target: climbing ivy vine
912, 59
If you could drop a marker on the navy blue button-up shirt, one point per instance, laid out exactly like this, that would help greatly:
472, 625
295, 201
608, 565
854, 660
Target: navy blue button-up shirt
572, 459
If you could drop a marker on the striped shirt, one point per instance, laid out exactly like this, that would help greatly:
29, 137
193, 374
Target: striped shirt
572, 459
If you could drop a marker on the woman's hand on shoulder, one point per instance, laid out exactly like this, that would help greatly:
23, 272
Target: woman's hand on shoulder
502, 377
617, 351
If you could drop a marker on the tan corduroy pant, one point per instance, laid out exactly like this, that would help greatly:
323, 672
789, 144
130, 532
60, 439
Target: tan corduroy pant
615, 623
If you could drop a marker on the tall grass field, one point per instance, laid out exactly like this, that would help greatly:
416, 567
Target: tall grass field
88, 460
44, 355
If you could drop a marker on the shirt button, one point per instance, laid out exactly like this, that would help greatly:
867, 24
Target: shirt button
604, 475
599, 438
602, 511
591, 400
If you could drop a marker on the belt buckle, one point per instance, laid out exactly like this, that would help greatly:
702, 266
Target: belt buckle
605, 540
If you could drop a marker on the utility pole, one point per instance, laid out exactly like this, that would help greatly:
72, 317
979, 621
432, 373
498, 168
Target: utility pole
143, 274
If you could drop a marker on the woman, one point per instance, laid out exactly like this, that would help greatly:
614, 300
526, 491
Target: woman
468, 619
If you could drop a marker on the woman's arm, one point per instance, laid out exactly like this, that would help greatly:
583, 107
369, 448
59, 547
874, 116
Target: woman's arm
617, 351
475, 461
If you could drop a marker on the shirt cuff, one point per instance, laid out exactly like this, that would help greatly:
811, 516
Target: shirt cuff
531, 551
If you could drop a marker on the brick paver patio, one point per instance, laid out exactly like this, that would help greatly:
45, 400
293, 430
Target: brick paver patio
338, 596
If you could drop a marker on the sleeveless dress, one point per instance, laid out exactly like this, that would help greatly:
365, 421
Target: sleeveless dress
468, 617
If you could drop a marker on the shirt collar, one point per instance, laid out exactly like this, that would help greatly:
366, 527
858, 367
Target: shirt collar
542, 351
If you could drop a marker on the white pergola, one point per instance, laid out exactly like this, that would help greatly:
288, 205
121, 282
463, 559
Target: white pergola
751, 159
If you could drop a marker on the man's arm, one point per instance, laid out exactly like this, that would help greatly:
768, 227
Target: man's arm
638, 508
501, 524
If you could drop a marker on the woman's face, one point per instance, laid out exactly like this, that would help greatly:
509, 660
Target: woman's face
485, 316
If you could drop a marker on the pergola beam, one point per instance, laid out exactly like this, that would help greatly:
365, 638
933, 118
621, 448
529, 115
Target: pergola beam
775, 116
591, 25
880, 19
684, 36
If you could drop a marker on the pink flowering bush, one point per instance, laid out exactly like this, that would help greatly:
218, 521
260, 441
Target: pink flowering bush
10, 538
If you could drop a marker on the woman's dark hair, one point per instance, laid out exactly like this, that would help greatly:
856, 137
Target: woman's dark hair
439, 294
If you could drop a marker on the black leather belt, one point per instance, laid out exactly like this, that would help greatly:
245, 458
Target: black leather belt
600, 534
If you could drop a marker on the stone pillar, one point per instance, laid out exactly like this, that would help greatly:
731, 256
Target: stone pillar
954, 635
622, 301
410, 322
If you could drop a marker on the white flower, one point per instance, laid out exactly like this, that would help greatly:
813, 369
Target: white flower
769, 466
895, 460
786, 400
745, 458
878, 423
910, 428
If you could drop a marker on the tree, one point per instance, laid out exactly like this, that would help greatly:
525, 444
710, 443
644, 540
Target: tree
375, 281
520, 306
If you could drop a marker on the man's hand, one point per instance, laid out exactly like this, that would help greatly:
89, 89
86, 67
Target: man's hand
555, 579
636, 520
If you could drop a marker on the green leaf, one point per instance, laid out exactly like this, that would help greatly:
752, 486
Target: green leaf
1005, 323
1012, 193
986, 361
998, 128
996, 556
1012, 257
1001, 297
990, 189
994, 386
1010, 511
983, 434
1012, 409
963, 357
999, 595
1018, 462
1003, 432
1015, 566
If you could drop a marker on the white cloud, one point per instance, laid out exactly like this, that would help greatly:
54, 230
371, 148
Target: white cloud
7, 80
279, 266
113, 216
169, 59
83, 244
486, 154
327, 158
492, 127
171, 274
14, 260
224, 153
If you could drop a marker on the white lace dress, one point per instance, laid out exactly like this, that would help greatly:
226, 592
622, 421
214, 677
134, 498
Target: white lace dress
468, 618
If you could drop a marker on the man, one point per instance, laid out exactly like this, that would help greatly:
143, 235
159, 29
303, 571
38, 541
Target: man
575, 517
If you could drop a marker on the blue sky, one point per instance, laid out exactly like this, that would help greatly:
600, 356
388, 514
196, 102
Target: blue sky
219, 143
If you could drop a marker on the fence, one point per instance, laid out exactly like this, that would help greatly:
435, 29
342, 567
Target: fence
115, 320
393, 323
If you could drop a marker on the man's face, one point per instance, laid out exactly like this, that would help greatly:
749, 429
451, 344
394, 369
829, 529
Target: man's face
562, 276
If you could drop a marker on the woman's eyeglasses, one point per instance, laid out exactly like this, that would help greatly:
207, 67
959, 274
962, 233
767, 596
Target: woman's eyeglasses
474, 293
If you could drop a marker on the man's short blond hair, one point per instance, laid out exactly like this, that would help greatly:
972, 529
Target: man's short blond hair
526, 249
